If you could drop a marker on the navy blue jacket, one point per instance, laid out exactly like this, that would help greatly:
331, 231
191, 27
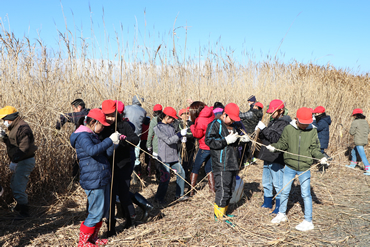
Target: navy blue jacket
322, 123
95, 170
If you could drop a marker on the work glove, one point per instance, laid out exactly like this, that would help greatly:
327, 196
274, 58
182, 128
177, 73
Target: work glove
184, 139
271, 148
230, 139
122, 137
324, 161
115, 137
260, 126
184, 131
13, 166
245, 138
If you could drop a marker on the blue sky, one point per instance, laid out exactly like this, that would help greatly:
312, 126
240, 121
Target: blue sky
335, 32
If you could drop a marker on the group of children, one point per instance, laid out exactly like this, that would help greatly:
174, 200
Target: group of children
289, 147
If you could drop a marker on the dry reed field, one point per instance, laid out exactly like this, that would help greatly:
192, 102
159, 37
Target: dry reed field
41, 83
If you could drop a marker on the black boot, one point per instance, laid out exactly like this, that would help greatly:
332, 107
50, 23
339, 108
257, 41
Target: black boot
112, 231
23, 210
143, 204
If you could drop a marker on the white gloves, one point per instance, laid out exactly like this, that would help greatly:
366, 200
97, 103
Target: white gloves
231, 138
245, 138
260, 126
184, 139
271, 148
13, 166
324, 161
115, 137
184, 131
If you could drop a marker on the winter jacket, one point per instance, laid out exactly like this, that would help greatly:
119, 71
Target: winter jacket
250, 119
145, 129
224, 156
322, 123
199, 128
95, 170
71, 118
152, 141
135, 114
302, 142
360, 129
167, 142
124, 150
190, 140
20, 143
271, 134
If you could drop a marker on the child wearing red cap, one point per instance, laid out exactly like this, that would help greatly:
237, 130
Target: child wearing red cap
95, 172
322, 121
222, 137
167, 153
360, 130
298, 138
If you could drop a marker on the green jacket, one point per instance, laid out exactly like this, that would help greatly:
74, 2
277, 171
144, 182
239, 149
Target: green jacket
360, 129
152, 138
301, 142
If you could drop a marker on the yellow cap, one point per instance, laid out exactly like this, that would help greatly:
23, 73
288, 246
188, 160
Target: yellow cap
7, 110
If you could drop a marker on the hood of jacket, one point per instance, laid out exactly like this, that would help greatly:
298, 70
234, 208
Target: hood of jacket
78, 131
206, 112
137, 100
294, 124
327, 119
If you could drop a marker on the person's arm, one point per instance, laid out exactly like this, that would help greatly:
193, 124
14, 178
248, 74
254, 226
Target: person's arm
130, 135
246, 115
165, 138
353, 128
149, 142
272, 134
315, 146
282, 144
197, 131
213, 139
64, 118
91, 148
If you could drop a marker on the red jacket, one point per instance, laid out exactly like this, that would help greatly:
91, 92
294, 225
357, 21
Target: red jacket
200, 125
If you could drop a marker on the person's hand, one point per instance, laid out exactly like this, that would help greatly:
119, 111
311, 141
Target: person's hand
184, 139
150, 149
230, 139
115, 137
260, 126
245, 138
324, 161
184, 131
122, 137
13, 166
271, 148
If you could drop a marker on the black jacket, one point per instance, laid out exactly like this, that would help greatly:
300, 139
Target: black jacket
250, 119
224, 157
271, 134
125, 151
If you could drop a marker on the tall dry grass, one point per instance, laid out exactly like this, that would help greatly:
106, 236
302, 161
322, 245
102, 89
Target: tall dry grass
41, 83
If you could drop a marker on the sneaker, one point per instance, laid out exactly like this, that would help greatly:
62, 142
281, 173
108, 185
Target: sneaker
352, 165
305, 226
280, 217
246, 164
254, 160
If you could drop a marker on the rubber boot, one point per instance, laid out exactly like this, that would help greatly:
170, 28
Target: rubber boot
94, 237
23, 210
228, 215
220, 214
211, 182
267, 202
277, 206
112, 231
85, 234
143, 204
193, 182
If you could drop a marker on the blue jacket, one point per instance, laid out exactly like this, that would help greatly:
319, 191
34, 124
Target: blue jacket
322, 123
95, 170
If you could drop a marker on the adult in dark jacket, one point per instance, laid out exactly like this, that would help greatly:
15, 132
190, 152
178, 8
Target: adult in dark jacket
251, 118
95, 173
322, 122
136, 115
221, 137
273, 167
123, 167
79, 111
21, 148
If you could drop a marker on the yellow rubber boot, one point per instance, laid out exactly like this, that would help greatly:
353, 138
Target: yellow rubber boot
219, 212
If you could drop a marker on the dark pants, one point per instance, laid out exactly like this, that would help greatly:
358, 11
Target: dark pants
143, 147
202, 156
224, 186
76, 170
187, 165
121, 187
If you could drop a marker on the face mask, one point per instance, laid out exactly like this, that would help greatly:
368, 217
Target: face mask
6, 123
